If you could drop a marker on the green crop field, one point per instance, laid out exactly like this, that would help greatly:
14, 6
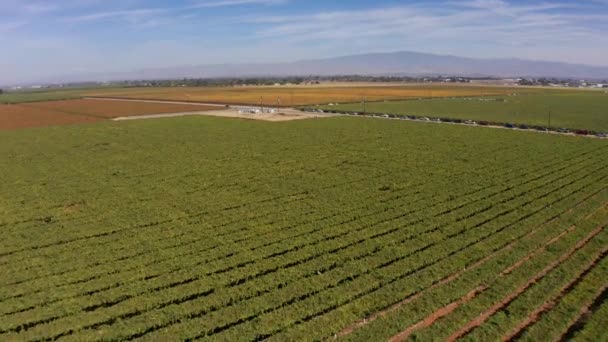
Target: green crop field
38, 96
568, 109
351, 228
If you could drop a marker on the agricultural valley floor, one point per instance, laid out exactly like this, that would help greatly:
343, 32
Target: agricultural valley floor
206, 228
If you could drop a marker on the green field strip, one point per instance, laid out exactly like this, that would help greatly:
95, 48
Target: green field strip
521, 308
414, 311
152, 317
386, 323
541, 264
245, 202
336, 296
98, 234
364, 178
350, 221
574, 111
182, 238
211, 210
230, 177
246, 237
417, 308
558, 321
594, 326
560, 270
546, 289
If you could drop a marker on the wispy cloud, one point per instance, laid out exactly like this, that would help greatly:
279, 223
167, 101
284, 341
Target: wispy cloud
225, 3
468, 21
117, 14
139, 13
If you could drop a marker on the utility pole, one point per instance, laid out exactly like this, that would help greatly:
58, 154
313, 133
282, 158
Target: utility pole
364, 106
261, 104
549, 123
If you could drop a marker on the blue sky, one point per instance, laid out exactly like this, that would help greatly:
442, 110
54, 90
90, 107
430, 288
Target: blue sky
44, 38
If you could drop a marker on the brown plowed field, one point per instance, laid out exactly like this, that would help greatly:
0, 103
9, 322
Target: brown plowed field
53, 113
19, 116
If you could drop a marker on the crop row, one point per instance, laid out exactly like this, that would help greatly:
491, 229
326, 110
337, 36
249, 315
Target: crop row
322, 317
257, 233
482, 221
541, 246
113, 238
592, 325
46, 283
549, 268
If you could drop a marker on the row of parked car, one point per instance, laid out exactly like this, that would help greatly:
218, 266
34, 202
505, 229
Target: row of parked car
466, 122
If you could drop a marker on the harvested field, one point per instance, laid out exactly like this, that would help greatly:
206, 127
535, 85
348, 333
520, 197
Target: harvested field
201, 227
297, 95
40, 114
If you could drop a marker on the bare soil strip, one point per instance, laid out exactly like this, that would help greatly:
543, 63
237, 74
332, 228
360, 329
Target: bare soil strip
360, 324
509, 298
284, 115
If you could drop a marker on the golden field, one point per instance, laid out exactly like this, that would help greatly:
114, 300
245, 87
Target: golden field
297, 95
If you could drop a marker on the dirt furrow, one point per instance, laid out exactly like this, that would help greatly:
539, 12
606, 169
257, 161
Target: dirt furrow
363, 322
403, 335
444, 311
548, 305
510, 297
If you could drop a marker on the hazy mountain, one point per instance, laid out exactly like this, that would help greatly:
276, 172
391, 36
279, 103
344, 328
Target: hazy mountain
402, 63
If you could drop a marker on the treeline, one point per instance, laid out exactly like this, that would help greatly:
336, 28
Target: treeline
287, 80
269, 81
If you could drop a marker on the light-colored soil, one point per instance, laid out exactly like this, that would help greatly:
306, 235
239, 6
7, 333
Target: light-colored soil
284, 115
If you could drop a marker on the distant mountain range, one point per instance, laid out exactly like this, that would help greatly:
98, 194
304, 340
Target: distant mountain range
395, 63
